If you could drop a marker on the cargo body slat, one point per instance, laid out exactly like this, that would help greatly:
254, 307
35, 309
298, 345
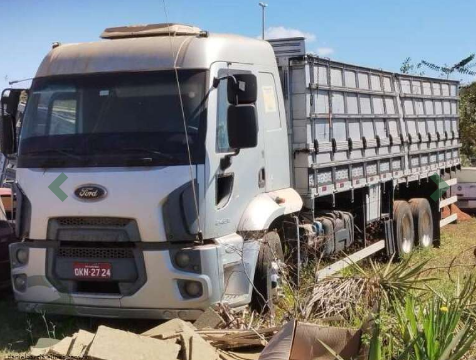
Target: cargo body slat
342, 115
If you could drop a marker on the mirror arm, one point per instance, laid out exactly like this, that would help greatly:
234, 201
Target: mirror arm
217, 80
226, 161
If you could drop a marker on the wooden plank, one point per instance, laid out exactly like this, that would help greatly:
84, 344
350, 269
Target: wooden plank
113, 344
448, 220
349, 260
449, 201
450, 182
232, 333
81, 344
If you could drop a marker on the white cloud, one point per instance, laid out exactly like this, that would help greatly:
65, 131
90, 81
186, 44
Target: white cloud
325, 51
281, 32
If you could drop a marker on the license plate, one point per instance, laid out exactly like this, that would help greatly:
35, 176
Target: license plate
92, 270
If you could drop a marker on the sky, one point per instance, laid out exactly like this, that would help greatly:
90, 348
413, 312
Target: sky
375, 33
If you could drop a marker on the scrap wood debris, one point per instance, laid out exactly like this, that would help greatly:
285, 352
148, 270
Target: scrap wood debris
174, 339
204, 340
180, 340
234, 339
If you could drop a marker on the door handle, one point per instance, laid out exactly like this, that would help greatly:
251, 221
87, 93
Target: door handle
262, 178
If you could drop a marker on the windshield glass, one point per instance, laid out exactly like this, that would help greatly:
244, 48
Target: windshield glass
114, 120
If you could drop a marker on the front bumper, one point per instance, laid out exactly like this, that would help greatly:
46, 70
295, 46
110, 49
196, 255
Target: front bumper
466, 205
110, 312
223, 268
159, 295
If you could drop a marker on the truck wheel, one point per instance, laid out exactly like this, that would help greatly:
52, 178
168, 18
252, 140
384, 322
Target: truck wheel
404, 229
423, 220
266, 279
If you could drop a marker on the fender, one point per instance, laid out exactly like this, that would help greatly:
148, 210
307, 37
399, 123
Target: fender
267, 207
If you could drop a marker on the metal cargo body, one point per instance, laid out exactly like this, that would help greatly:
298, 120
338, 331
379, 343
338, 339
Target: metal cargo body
352, 126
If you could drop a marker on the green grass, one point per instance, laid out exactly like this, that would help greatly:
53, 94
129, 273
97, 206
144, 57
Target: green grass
454, 259
456, 250
18, 331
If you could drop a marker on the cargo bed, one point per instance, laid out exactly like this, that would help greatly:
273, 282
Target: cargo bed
352, 126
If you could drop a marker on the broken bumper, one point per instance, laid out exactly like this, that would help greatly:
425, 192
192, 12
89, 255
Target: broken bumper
156, 292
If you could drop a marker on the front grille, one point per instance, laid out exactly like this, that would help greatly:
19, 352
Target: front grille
93, 221
95, 253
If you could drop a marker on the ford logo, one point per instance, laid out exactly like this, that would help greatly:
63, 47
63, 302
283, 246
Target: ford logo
90, 192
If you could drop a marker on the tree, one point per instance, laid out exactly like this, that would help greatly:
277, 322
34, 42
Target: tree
467, 124
463, 67
408, 67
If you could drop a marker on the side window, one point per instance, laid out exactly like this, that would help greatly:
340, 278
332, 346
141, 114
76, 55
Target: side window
222, 143
38, 105
222, 129
267, 92
63, 117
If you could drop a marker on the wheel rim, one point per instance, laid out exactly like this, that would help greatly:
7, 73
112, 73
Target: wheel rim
425, 240
276, 283
407, 236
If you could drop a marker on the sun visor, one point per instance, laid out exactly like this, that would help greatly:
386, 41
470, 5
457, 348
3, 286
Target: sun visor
133, 31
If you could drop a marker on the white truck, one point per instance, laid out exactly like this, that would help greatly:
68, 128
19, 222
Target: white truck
165, 169
466, 189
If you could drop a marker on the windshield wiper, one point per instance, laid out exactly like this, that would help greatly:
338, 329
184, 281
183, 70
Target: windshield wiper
66, 152
152, 151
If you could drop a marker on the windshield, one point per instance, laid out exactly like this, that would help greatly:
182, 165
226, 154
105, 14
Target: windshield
120, 119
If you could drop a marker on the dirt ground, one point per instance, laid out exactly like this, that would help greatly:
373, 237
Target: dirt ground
18, 331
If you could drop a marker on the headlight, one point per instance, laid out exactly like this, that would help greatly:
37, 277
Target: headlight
19, 281
193, 288
22, 256
19, 254
182, 259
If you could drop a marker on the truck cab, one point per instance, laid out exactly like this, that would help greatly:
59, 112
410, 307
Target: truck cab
150, 166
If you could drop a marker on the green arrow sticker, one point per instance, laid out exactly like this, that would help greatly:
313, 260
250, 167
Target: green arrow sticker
55, 187
442, 187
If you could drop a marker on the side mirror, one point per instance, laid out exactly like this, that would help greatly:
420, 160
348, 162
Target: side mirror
10, 101
242, 127
8, 110
7, 138
242, 89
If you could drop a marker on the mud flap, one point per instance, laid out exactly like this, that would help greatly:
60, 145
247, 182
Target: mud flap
389, 240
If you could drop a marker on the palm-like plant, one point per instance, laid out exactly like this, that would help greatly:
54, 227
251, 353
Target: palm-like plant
437, 329
338, 296
390, 281
422, 328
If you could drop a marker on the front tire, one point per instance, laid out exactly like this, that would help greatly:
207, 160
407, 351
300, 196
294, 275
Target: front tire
403, 228
423, 220
266, 279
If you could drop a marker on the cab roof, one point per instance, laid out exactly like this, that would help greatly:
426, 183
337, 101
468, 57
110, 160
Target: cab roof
152, 49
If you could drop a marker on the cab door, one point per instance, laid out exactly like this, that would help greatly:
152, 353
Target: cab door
273, 120
232, 180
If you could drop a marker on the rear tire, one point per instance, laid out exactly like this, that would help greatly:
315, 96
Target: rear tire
266, 279
403, 227
423, 220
